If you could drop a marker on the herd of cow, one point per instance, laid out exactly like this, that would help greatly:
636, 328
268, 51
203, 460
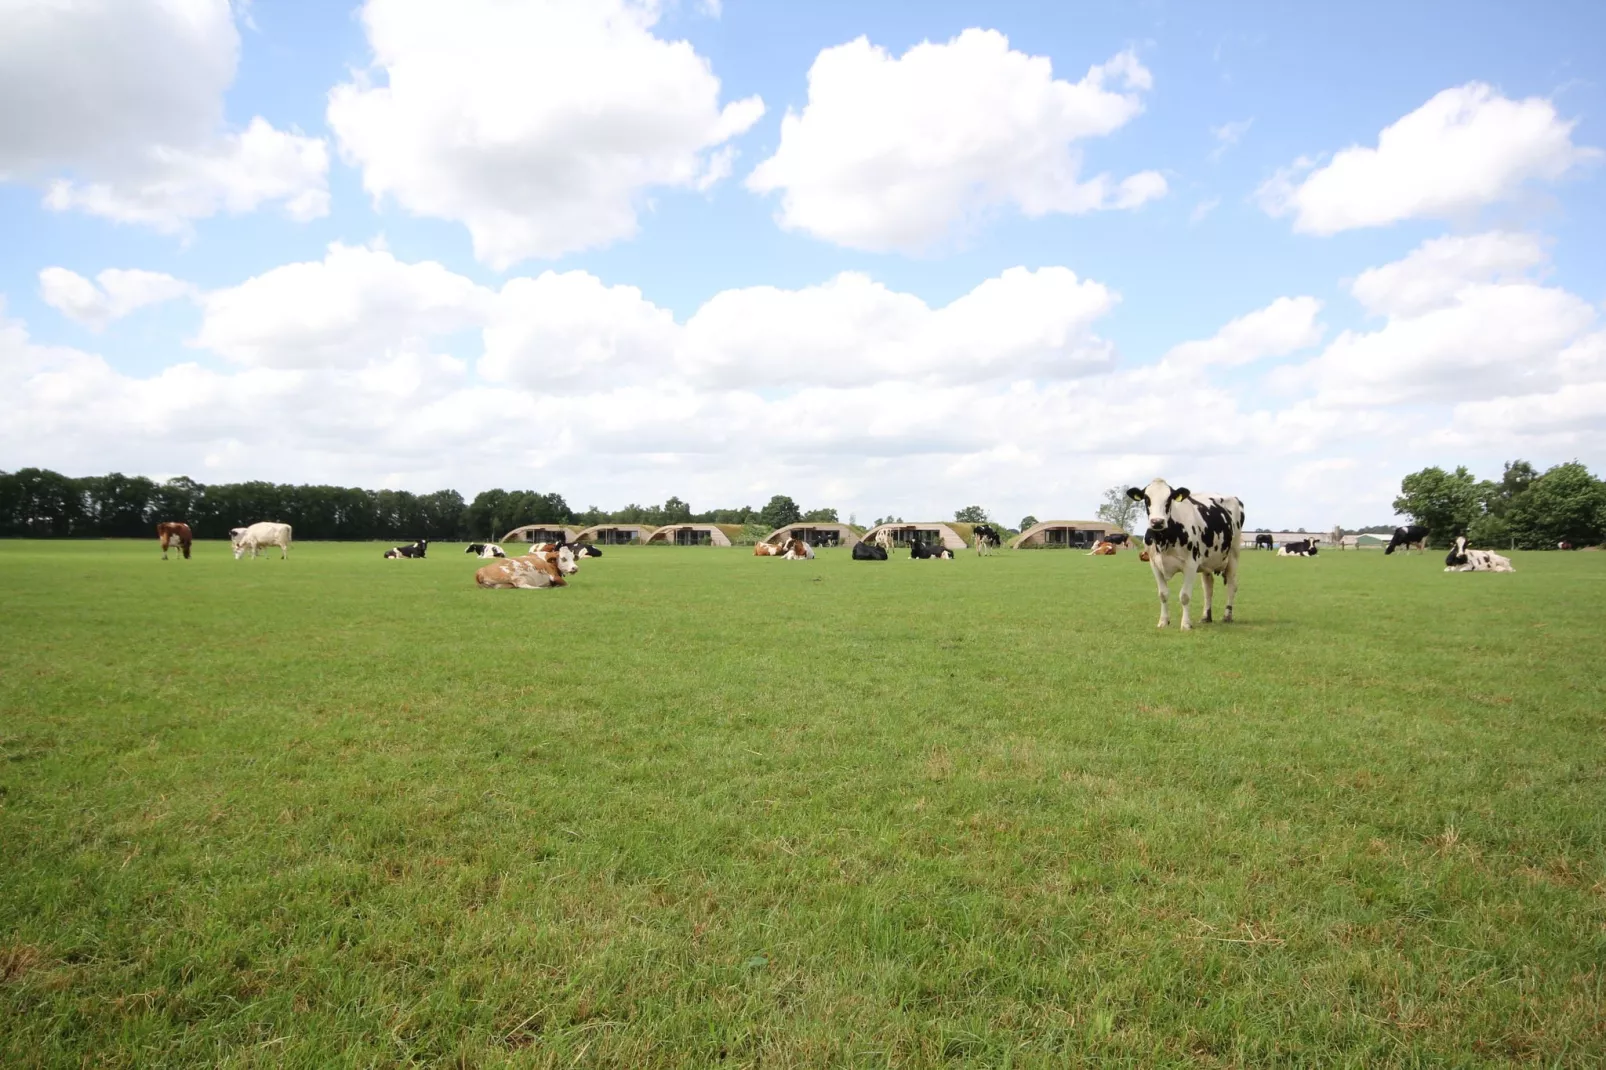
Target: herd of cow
1189, 533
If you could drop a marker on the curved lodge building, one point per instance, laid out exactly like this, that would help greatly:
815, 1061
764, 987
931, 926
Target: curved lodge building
616, 534
1063, 535
542, 533
694, 535
814, 534
903, 534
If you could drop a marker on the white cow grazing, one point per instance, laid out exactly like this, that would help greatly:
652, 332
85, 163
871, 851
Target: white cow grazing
1461, 559
259, 537
1187, 533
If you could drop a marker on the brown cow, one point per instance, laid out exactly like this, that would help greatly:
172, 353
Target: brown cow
1102, 548
174, 532
765, 549
529, 572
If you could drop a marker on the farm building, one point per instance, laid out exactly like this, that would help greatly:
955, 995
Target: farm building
904, 534
542, 533
1063, 535
615, 534
815, 534
694, 534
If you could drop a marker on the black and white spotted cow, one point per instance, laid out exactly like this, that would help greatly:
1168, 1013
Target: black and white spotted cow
934, 551
1463, 559
1191, 533
1412, 537
1299, 548
987, 539
485, 549
414, 552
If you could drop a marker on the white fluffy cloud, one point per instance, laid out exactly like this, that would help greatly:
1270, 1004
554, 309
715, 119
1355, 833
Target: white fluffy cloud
897, 152
1285, 326
355, 306
540, 126
1465, 148
118, 293
117, 105
1464, 322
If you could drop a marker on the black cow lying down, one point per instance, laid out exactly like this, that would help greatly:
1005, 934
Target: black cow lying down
919, 551
416, 550
864, 551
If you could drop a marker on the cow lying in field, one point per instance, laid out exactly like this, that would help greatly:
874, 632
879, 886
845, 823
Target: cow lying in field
863, 551
768, 549
1302, 548
485, 549
259, 537
415, 551
1102, 548
560, 554
1461, 559
529, 573
798, 550
919, 551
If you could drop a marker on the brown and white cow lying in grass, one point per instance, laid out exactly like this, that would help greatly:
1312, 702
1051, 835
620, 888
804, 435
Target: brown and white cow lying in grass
1102, 548
560, 554
798, 550
530, 572
768, 549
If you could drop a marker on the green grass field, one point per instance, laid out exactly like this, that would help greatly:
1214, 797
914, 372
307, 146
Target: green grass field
702, 809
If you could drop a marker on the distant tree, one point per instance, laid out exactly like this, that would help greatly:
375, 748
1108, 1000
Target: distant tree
1445, 502
676, 512
821, 516
1566, 503
971, 514
1118, 509
1027, 521
780, 512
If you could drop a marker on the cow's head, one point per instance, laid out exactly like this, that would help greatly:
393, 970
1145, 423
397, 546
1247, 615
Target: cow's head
1159, 496
566, 562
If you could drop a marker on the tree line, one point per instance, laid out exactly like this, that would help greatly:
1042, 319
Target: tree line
39, 503
1523, 510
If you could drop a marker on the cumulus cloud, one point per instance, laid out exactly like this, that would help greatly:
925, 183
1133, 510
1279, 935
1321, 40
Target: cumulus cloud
1285, 326
354, 306
540, 126
898, 152
1463, 323
118, 293
1465, 148
117, 106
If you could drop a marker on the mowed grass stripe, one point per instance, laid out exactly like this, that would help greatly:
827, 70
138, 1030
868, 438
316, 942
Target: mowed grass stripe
706, 808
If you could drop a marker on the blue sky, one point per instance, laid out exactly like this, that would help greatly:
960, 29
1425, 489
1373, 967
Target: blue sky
930, 181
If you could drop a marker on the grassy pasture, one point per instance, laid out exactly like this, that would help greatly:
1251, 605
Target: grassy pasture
704, 809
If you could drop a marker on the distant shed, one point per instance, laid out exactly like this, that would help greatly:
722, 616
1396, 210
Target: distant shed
1063, 535
694, 535
815, 534
616, 534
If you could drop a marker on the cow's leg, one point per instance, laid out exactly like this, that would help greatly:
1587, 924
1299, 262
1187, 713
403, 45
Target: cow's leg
1210, 594
1189, 568
1165, 598
1232, 587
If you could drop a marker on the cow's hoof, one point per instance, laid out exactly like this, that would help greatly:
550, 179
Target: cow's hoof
1187, 627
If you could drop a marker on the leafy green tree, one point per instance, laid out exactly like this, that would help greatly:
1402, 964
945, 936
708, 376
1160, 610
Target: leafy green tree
780, 512
676, 512
971, 514
1117, 509
1566, 503
1027, 521
1444, 502
821, 516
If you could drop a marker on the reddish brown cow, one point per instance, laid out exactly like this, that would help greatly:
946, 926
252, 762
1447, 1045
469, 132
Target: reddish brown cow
171, 532
530, 572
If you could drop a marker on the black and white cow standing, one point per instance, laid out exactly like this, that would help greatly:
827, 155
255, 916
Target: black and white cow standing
1189, 533
1412, 537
